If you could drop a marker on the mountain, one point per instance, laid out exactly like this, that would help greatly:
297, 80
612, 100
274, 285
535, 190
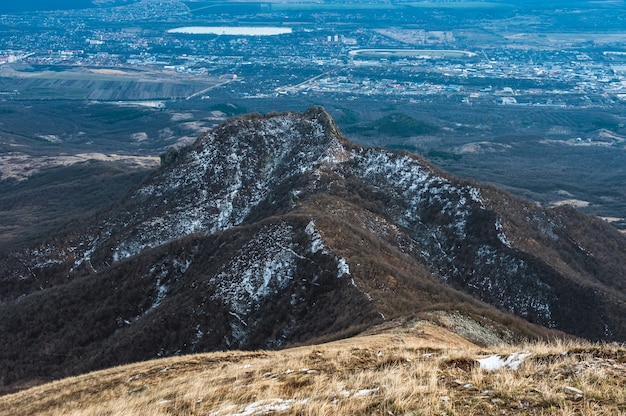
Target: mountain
275, 230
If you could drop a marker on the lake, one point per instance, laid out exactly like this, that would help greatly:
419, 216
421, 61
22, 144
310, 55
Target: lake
232, 30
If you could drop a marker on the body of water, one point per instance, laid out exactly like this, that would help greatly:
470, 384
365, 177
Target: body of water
232, 30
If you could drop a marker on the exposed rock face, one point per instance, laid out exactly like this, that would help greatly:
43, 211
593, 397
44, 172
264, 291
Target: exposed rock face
275, 229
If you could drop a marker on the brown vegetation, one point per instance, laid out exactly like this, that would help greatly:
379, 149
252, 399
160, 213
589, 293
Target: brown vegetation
415, 368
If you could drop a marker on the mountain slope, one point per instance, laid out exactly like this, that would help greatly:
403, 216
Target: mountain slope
401, 368
273, 230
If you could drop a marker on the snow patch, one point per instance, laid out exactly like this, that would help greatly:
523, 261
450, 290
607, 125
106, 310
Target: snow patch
260, 269
359, 393
475, 195
365, 392
501, 236
317, 243
419, 189
342, 268
224, 175
261, 407
496, 362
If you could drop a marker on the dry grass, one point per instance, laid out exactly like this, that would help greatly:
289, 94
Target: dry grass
416, 369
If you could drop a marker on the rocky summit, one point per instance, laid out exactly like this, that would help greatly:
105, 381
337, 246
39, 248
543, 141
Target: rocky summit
275, 230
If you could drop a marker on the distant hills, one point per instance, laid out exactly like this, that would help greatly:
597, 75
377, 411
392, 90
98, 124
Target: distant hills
274, 230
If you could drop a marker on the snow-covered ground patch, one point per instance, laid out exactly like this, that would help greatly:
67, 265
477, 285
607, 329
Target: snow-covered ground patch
260, 268
496, 362
317, 243
262, 407
501, 236
418, 187
342, 268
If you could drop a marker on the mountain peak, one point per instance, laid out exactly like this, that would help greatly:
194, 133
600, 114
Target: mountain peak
215, 183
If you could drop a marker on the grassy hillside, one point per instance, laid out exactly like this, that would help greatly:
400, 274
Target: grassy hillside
410, 368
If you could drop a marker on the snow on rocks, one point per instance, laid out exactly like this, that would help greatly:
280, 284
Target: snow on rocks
573, 392
501, 236
342, 268
217, 182
359, 393
260, 268
317, 243
497, 362
418, 188
263, 267
261, 407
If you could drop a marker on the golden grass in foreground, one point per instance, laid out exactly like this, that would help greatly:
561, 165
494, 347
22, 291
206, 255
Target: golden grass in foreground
419, 369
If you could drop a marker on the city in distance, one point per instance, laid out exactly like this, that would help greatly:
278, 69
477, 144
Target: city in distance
530, 96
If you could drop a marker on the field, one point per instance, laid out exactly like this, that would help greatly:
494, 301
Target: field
403, 368
39, 83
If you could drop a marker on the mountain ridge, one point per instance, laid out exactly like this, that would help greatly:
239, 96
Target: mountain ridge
272, 230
